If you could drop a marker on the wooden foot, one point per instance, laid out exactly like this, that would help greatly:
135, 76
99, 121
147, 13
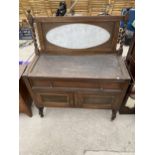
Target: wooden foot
120, 51
41, 111
113, 115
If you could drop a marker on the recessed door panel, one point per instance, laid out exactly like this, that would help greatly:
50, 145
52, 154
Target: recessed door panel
96, 100
55, 99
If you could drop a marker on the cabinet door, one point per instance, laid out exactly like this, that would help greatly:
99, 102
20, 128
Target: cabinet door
55, 99
97, 100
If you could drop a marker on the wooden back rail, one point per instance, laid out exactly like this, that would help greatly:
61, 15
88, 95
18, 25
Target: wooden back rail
44, 24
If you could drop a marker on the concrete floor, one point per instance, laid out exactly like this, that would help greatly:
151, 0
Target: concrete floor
108, 153
26, 52
75, 131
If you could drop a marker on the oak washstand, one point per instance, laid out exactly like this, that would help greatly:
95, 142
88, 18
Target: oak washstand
76, 63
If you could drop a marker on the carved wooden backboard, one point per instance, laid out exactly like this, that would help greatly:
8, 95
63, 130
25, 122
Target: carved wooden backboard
78, 35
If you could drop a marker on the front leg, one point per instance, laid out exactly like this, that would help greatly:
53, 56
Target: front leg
114, 112
41, 111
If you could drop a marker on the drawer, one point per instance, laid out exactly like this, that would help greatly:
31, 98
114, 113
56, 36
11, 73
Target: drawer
88, 84
75, 84
40, 82
55, 99
63, 83
97, 100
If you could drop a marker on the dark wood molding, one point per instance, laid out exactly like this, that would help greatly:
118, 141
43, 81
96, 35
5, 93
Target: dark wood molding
90, 19
110, 23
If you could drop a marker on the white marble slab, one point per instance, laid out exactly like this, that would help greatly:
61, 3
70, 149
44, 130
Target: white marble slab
77, 36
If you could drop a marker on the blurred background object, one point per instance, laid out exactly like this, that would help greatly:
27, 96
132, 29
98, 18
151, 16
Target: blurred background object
48, 8
61, 11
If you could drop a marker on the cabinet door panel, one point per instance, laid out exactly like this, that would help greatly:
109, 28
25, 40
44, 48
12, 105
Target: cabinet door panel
96, 100
55, 99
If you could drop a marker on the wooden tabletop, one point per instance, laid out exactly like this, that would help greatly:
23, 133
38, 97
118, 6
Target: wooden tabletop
106, 66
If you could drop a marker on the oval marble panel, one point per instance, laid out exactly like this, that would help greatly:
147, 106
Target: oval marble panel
77, 36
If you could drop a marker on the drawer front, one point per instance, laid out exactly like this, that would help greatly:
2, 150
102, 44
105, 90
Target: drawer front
97, 100
87, 84
55, 99
40, 83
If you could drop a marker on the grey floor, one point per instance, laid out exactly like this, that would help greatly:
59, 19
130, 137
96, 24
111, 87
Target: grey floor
75, 131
